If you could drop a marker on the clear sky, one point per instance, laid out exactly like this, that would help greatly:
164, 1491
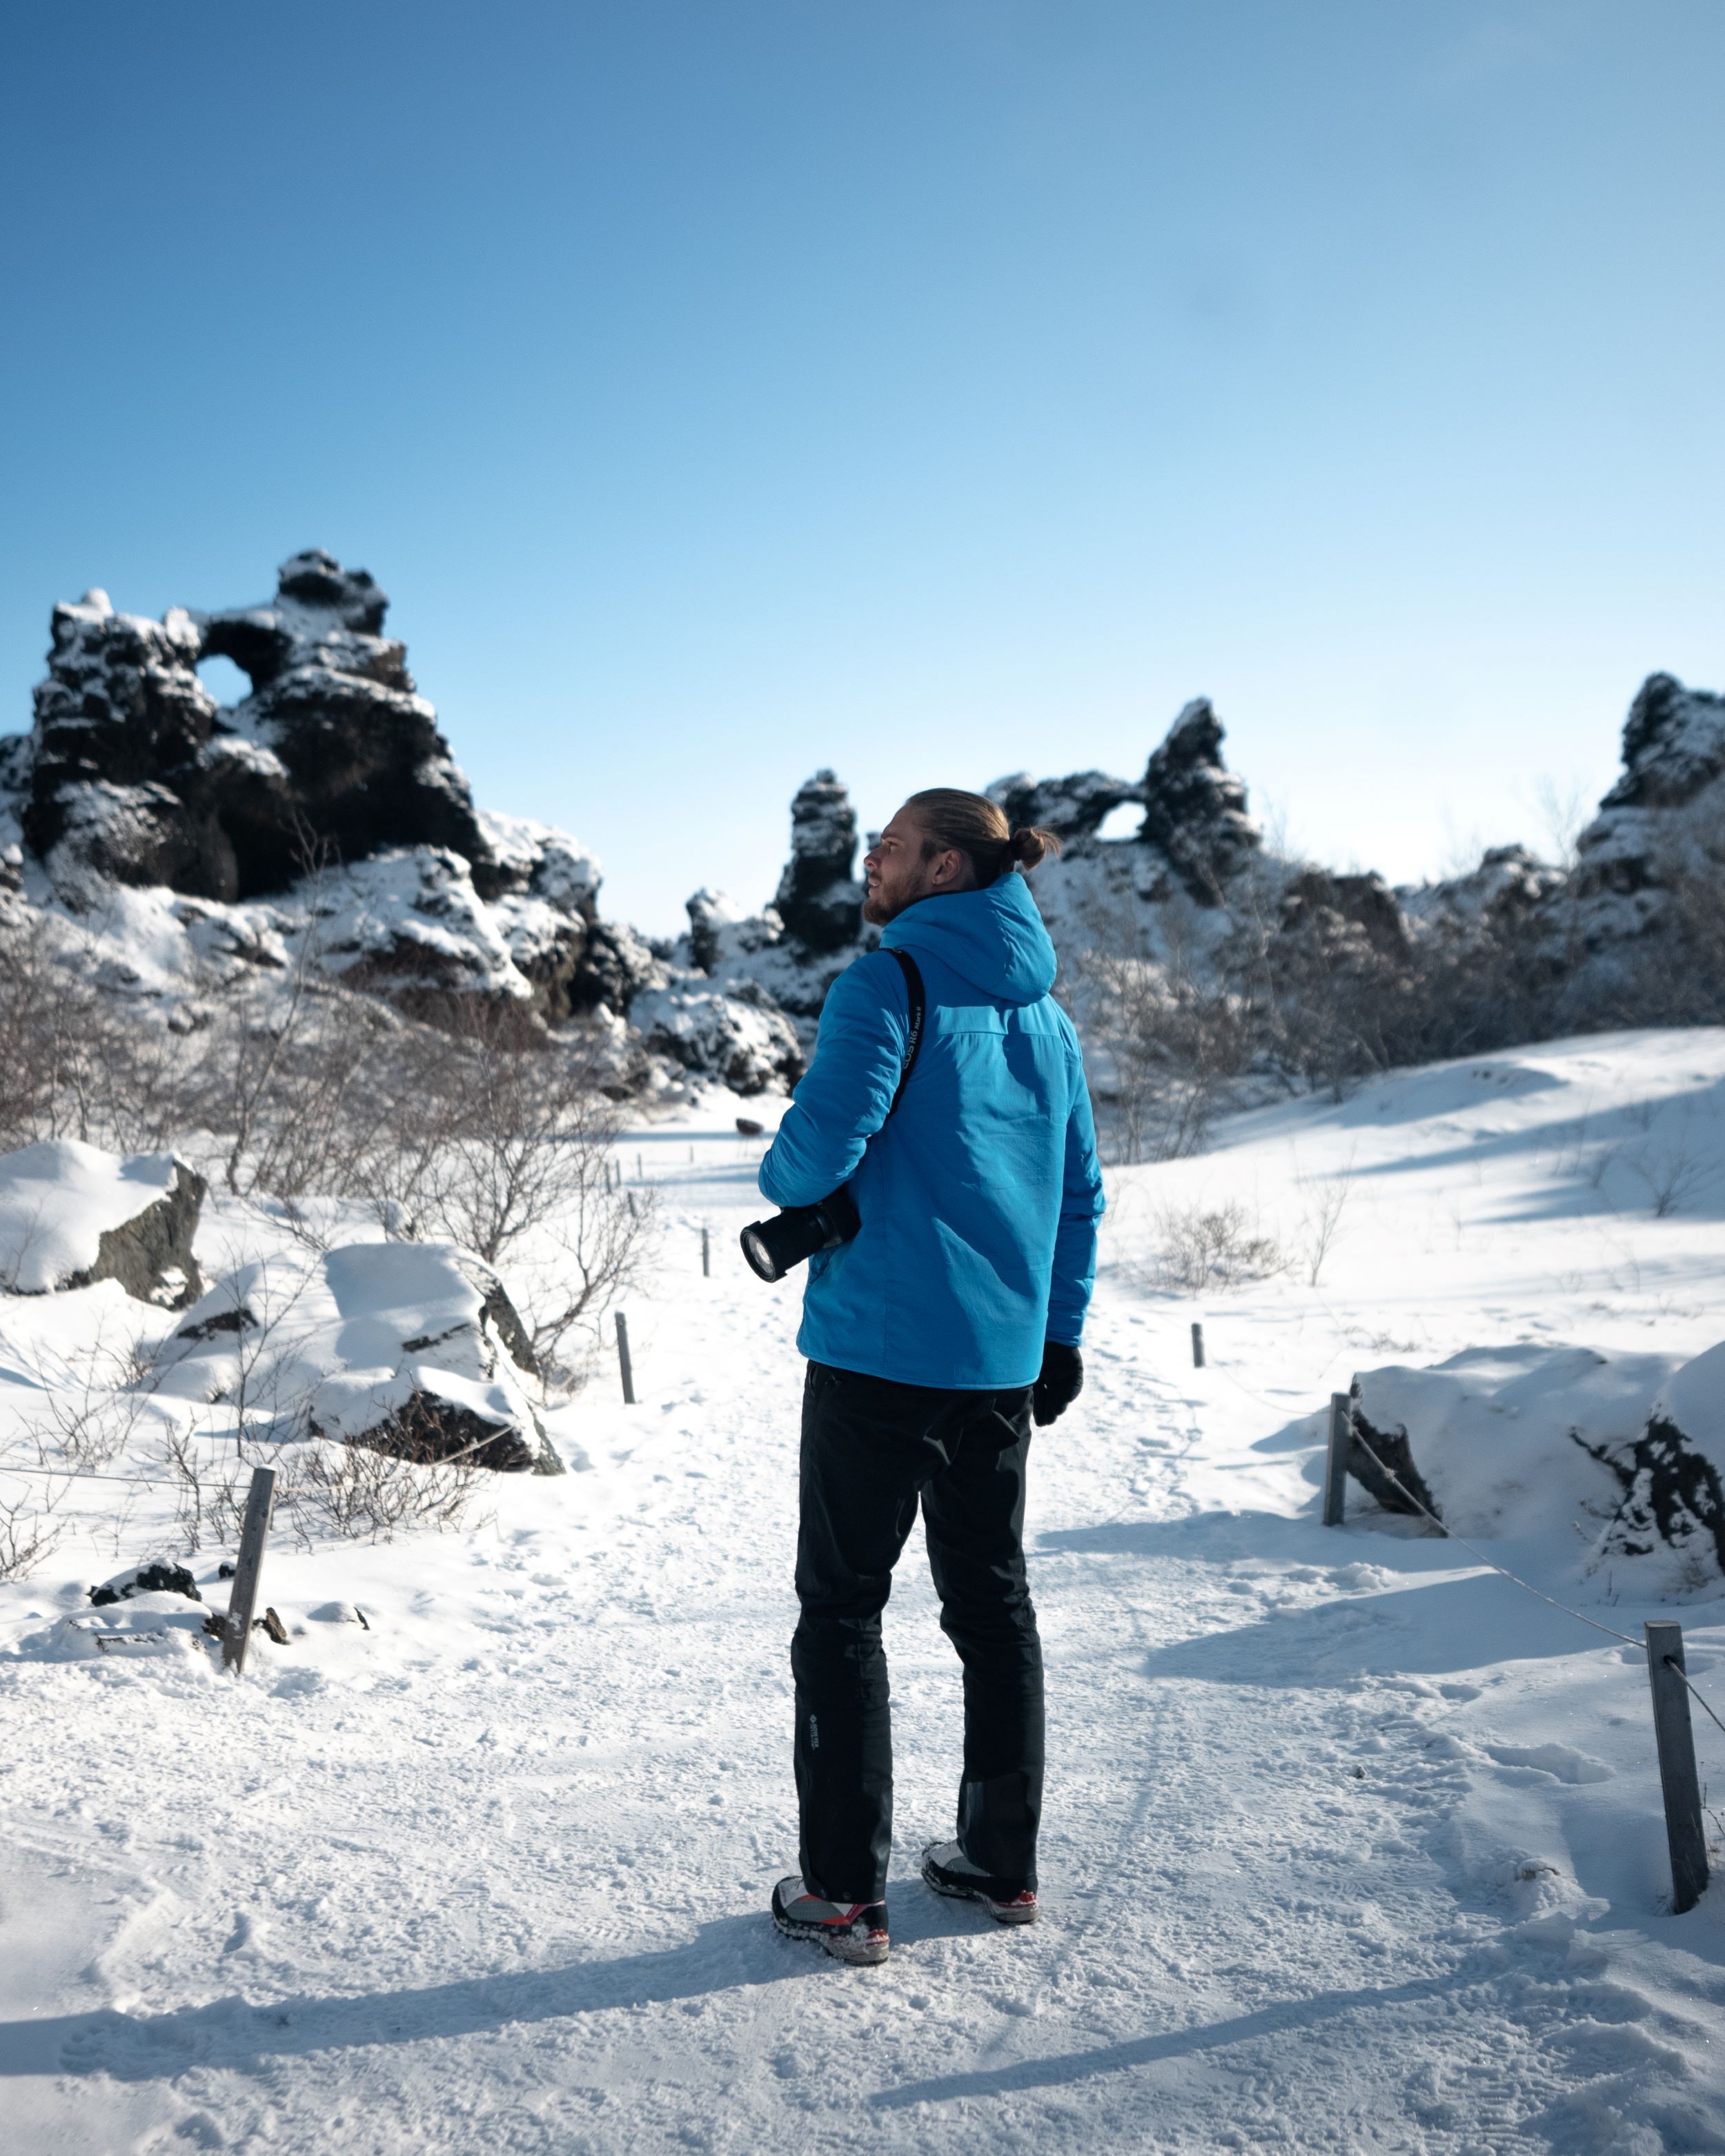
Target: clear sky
930, 388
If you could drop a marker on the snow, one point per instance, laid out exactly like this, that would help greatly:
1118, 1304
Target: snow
58, 1199
1350, 1843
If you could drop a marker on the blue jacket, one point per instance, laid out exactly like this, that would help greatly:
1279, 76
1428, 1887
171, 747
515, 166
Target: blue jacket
980, 1198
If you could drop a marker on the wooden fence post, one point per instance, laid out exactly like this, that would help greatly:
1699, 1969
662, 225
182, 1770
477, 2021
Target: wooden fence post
1335, 1459
623, 1364
706, 1255
1197, 1347
242, 1595
1677, 1777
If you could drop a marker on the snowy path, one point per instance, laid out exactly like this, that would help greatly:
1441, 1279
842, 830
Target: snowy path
492, 1875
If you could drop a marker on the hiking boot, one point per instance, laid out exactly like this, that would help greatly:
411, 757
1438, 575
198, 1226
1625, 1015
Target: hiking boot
949, 1871
850, 1930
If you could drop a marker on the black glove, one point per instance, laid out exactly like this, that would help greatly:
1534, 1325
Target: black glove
1061, 1382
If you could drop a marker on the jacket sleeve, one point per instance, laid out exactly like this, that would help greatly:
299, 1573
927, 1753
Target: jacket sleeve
844, 1096
1081, 1201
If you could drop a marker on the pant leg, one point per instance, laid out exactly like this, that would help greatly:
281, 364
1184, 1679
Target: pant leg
864, 1461
973, 1516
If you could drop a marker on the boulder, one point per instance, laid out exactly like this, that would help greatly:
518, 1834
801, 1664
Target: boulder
71, 1214
413, 1349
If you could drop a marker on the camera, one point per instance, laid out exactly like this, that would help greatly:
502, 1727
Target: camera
771, 1247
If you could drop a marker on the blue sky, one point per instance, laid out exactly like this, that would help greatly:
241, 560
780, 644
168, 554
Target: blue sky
931, 388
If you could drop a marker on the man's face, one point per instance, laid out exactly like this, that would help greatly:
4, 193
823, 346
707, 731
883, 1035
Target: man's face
900, 871
896, 874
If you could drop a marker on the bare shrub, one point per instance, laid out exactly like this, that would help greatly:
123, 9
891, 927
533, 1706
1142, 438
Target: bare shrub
29, 1534
1200, 1247
324, 1489
89, 1408
1326, 1201
1160, 1044
32, 1038
1672, 1175
1332, 986
358, 1494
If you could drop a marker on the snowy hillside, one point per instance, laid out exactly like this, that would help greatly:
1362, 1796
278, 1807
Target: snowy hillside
1351, 1844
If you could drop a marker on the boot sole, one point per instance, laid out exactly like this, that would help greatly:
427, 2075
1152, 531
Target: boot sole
1003, 1913
858, 1953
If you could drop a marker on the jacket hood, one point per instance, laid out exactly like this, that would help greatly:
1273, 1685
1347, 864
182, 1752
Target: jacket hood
993, 938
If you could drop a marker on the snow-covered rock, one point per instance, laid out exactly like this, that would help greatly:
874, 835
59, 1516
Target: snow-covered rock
738, 1037
71, 1214
1671, 1476
156, 1575
1524, 1441
1075, 807
1503, 1441
1195, 808
410, 1348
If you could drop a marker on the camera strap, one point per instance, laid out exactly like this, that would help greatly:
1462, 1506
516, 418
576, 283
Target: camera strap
919, 1004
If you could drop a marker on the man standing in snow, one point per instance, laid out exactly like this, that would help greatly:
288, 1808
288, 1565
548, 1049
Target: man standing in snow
932, 1337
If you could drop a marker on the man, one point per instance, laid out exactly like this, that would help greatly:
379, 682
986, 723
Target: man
958, 1306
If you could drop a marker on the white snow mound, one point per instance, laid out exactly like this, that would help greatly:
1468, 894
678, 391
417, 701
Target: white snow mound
58, 1199
1499, 1435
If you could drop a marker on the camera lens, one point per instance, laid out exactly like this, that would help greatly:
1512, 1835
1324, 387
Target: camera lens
759, 1258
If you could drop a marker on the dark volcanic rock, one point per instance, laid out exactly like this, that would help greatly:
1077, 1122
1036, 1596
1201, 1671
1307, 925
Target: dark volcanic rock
1339, 910
151, 1256
1670, 1476
615, 965
1195, 809
1673, 744
1670, 1496
427, 1428
1071, 807
819, 901
1651, 823
55, 1197
1382, 1461
139, 776
155, 1576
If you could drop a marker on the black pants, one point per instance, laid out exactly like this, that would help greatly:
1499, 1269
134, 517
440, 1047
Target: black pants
871, 1449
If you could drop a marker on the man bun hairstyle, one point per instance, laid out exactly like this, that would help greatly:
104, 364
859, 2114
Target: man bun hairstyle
977, 828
